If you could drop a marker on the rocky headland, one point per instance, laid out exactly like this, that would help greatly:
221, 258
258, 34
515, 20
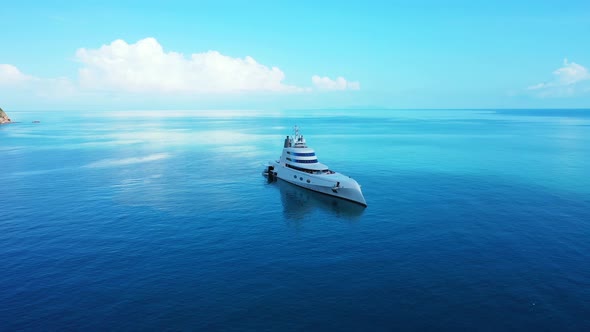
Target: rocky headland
3, 117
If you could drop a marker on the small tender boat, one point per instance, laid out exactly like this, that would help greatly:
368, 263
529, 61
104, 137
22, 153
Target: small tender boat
299, 165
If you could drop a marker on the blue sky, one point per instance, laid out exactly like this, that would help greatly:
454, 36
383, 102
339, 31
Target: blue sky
265, 54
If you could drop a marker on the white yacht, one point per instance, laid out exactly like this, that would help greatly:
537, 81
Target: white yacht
299, 165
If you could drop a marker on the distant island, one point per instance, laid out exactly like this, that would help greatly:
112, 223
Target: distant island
3, 117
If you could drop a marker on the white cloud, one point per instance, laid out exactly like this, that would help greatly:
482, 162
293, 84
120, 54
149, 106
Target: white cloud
326, 83
120, 72
9, 74
14, 83
146, 67
567, 81
571, 73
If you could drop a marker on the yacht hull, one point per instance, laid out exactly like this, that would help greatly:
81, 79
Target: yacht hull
336, 184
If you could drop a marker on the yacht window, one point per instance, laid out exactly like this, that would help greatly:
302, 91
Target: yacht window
302, 169
303, 161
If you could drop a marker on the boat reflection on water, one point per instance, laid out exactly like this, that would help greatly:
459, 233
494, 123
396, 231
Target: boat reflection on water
299, 202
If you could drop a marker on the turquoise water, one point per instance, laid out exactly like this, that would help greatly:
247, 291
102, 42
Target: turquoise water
476, 220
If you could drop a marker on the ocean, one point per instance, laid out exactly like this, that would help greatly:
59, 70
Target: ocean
477, 220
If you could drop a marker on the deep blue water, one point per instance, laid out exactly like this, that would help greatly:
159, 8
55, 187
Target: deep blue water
477, 220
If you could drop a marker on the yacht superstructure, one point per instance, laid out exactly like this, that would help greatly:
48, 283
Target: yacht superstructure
299, 165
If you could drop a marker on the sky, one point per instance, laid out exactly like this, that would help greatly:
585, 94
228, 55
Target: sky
136, 55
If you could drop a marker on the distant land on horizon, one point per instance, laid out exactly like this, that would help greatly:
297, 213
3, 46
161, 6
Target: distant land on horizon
4, 117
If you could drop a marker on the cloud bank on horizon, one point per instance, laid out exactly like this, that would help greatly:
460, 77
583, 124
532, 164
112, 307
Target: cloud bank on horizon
569, 80
145, 67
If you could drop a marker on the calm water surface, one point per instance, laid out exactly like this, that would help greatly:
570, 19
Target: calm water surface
477, 220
